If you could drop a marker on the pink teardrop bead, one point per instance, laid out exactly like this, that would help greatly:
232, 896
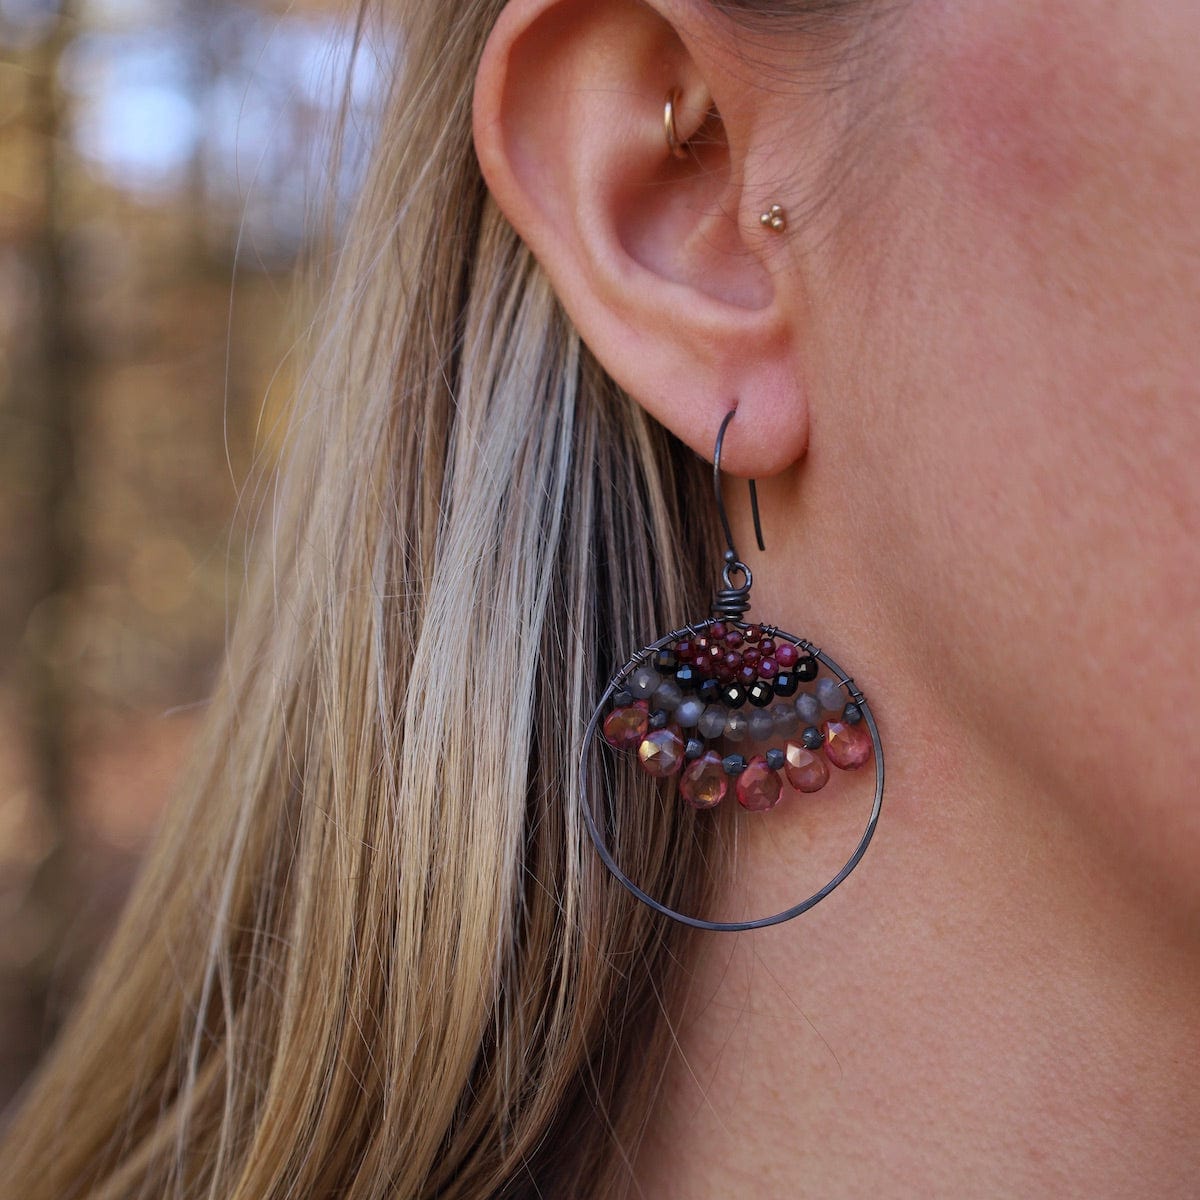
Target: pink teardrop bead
661, 752
806, 770
704, 783
847, 746
625, 727
758, 787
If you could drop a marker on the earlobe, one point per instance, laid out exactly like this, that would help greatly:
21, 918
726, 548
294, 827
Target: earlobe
667, 278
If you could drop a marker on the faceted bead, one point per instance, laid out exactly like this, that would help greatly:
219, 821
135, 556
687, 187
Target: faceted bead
704, 783
668, 695
709, 691
622, 699
717, 630
625, 727
787, 720
686, 676
712, 721
685, 651
809, 708
830, 694
786, 655
688, 714
806, 770
760, 694
768, 668
659, 718
737, 726
762, 725
758, 787
847, 746
852, 714
752, 634
776, 759
747, 675
812, 737
807, 668
786, 684
733, 696
733, 764
733, 638
643, 682
729, 666
750, 656
694, 748
767, 647
661, 752
665, 660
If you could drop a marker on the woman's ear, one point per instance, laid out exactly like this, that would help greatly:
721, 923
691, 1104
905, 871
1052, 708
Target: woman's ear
660, 261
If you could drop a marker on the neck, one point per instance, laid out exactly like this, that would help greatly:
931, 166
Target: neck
981, 1009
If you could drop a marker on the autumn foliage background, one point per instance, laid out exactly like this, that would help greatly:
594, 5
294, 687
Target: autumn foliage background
163, 170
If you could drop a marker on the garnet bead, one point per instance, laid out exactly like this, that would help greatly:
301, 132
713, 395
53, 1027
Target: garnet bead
786, 655
751, 655
733, 639
847, 746
685, 651
767, 647
661, 752
768, 668
704, 783
758, 787
625, 727
747, 675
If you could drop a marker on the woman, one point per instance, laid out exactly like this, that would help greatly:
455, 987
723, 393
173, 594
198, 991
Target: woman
374, 954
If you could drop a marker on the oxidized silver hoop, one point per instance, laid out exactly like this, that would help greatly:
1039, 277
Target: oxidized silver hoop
723, 679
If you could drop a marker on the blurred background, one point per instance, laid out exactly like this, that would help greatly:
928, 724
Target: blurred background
163, 169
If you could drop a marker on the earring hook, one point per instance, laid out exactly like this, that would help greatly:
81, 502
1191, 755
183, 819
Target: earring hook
720, 498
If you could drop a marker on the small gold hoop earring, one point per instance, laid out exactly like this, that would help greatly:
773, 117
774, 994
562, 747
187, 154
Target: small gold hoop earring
673, 142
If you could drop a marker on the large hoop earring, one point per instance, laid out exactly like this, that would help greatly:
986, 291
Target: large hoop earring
721, 678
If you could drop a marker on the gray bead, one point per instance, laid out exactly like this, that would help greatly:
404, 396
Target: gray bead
737, 726
712, 722
667, 695
808, 708
812, 738
830, 694
787, 720
762, 725
688, 714
776, 759
643, 682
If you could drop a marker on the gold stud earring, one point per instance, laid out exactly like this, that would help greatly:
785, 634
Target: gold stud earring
774, 218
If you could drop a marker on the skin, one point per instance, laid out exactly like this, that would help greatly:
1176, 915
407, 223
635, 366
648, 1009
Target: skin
969, 369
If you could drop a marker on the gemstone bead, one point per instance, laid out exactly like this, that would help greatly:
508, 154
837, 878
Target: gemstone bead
760, 694
712, 722
830, 694
786, 655
733, 696
729, 666
786, 683
687, 677
750, 656
688, 714
768, 668
787, 720
733, 638
812, 738
758, 787
659, 718
762, 725
805, 769
733, 764
693, 749
776, 759
767, 647
685, 651
807, 668
625, 727
643, 682
709, 691
661, 752
852, 714
747, 675
717, 630
668, 695
752, 634
665, 660
737, 726
704, 783
808, 707
847, 746
622, 699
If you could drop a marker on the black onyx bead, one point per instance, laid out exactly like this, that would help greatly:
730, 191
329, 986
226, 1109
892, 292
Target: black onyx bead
852, 714
760, 694
709, 690
733, 695
686, 677
734, 764
693, 749
776, 758
786, 684
665, 660
659, 718
622, 699
807, 668
812, 737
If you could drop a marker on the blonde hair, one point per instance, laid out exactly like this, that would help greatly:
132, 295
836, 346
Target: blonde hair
372, 953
